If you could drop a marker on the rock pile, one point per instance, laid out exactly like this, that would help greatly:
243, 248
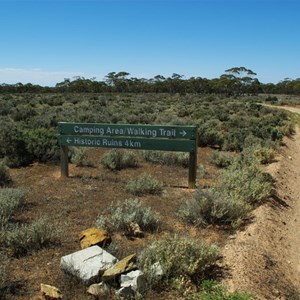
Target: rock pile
97, 268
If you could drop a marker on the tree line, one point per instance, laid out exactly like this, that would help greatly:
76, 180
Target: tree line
236, 81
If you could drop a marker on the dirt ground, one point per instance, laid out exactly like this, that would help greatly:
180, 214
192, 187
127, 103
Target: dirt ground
264, 258
73, 204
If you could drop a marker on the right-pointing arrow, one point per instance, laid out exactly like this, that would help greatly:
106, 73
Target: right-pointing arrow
183, 132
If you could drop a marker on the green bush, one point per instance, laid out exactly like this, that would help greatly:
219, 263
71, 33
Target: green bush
12, 145
245, 180
5, 178
221, 159
79, 157
118, 159
264, 155
25, 238
177, 256
241, 186
209, 133
123, 213
146, 184
234, 140
11, 200
211, 207
42, 144
272, 99
213, 291
167, 158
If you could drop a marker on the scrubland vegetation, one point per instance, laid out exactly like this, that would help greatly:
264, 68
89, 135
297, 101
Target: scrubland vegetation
244, 135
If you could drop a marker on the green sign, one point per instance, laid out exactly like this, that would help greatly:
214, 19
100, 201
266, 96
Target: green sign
128, 142
143, 131
146, 137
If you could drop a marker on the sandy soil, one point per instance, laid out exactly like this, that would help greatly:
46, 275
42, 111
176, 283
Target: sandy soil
264, 258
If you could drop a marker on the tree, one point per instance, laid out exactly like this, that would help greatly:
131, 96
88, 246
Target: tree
241, 80
118, 81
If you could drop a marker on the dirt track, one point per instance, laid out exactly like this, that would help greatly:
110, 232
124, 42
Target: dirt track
264, 258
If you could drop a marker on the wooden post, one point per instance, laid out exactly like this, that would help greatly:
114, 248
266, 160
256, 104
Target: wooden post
192, 170
64, 161
193, 165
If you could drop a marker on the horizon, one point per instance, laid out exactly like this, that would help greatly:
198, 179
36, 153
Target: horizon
46, 41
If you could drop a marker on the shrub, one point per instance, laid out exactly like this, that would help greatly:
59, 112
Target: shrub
240, 186
211, 207
213, 291
234, 140
210, 134
271, 99
12, 145
167, 158
221, 159
42, 144
5, 178
24, 238
79, 157
244, 179
123, 213
117, 159
11, 199
264, 155
146, 184
177, 256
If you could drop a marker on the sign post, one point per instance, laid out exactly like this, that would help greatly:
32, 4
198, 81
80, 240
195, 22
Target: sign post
64, 161
146, 137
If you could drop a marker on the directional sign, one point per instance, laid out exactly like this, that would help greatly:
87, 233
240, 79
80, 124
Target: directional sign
143, 131
146, 137
128, 142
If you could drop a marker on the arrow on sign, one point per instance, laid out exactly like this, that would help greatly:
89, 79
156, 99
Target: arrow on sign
69, 140
183, 132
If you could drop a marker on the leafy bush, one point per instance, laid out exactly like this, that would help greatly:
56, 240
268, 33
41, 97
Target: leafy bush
245, 180
123, 213
11, 199
167, 158
177, 256
12, 145
240, 186
213, 291
271, 99
234, 140
24, 238
5, 178
264, 155
117, 159
210, 134
79, 157
146, 184
42, 144
211, 207
221, 159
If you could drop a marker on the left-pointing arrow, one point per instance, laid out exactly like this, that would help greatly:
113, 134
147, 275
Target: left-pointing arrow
69, 140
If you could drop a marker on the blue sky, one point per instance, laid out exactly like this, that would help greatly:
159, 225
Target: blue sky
45, 41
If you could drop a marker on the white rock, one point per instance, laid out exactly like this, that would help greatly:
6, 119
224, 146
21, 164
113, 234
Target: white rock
87, 264
126, 292
157, 269
134, 279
